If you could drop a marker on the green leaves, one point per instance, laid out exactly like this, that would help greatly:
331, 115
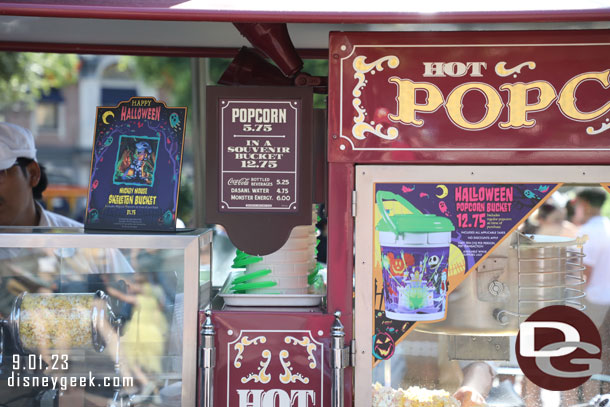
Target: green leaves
26, 76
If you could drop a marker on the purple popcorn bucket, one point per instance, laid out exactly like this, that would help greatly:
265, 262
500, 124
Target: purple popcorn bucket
415, 260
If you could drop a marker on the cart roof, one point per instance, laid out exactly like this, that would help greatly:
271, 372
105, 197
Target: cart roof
206, 23
336, 11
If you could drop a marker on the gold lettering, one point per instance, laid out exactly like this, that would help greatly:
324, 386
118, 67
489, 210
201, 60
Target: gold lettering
567, 96
493, 106
518, 108
407, 106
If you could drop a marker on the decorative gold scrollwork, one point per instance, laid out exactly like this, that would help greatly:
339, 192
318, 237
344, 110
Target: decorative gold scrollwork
361, 68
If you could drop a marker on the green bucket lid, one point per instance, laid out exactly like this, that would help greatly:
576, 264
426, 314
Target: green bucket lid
416, 223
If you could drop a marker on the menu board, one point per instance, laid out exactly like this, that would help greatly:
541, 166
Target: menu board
259, 155
259, 142
135, 166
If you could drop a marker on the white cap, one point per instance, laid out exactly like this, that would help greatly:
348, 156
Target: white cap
15, 142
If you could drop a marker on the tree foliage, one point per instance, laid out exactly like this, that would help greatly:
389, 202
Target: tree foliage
170, 74
26, 76
173, 75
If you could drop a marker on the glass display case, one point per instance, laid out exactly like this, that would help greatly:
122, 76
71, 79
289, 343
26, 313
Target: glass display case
109, 319
520, 241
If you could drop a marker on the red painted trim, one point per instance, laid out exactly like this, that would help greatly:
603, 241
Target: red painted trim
139, 50
340, 239
72, 10
237, 320
340, 251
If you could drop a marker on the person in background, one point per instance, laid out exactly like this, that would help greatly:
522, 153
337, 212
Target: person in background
587, 213
570, 212
476, 384
552, 221
22, 181
144, 339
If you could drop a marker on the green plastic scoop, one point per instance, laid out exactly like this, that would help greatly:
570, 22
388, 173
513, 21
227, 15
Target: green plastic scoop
239, 263
252, 286
313, 274
251, 276
311, 277
242, 255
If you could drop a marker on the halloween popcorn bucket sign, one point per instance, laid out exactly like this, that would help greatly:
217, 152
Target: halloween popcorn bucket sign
415, 260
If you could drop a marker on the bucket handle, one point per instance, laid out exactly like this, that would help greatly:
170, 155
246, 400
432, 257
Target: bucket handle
390, 196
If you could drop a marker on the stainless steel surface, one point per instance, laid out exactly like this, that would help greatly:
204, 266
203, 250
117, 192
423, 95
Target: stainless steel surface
549, 273
208, 360
502, 292
43, 237
601, 400
479, 347
187, 242
337, 362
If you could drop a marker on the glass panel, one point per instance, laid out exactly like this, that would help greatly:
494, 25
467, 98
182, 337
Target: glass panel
205, 281
471, 355
109, 320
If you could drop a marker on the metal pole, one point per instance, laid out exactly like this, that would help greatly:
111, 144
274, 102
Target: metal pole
2, 341
337, 362
208, 359
197, 117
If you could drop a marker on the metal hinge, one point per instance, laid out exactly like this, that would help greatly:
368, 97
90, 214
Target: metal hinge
354, 203
352, 353
348, 355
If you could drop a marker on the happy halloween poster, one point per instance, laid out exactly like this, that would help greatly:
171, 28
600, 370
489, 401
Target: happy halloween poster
135, 166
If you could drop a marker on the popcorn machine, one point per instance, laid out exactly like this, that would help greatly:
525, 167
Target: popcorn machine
454, 142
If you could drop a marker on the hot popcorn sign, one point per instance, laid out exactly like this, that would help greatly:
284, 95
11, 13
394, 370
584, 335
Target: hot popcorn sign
468, 91
275, 368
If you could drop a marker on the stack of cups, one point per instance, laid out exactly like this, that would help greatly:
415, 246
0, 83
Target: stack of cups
291, 265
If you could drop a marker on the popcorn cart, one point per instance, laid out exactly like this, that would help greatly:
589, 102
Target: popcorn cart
445, 273
444, 135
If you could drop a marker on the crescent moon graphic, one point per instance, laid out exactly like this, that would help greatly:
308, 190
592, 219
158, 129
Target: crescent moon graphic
444, 193
105, 116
